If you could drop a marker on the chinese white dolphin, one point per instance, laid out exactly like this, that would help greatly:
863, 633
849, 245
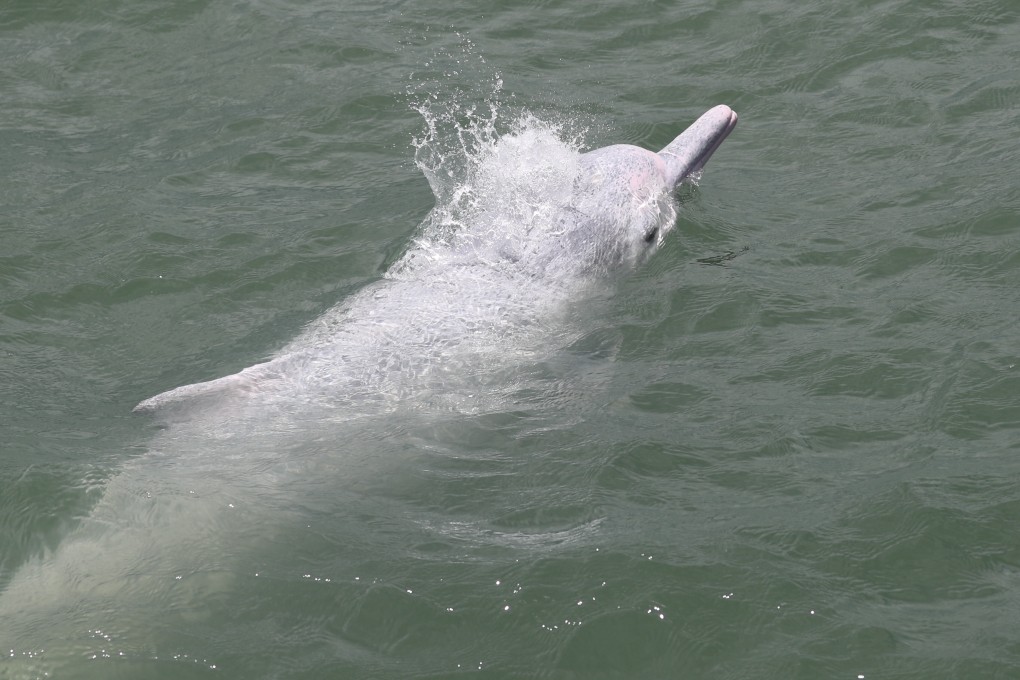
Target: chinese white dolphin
503, 256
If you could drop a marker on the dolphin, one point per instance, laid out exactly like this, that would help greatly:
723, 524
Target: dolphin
525, 238
616, 209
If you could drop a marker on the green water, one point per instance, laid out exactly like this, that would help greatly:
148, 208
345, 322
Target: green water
800, 463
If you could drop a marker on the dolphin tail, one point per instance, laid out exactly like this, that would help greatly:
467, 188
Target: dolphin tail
689, 152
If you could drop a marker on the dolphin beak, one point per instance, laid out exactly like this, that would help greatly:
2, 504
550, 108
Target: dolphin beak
689, 152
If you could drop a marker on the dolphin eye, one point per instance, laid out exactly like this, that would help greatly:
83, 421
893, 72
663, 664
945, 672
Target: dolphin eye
652, 233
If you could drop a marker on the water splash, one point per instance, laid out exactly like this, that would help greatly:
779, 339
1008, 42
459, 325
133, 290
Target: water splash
499, 173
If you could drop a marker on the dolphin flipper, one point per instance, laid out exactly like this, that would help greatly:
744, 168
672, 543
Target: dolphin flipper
240, 383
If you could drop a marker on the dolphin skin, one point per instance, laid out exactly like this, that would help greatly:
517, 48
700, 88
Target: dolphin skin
484, 291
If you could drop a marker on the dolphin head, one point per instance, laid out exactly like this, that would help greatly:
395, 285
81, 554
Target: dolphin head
623, 202
595, 213
688, 153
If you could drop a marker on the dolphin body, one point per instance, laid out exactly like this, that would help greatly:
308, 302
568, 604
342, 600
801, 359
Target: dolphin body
444, 320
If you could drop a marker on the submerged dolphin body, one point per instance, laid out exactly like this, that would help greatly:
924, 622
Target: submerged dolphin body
438, 306
482, 296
